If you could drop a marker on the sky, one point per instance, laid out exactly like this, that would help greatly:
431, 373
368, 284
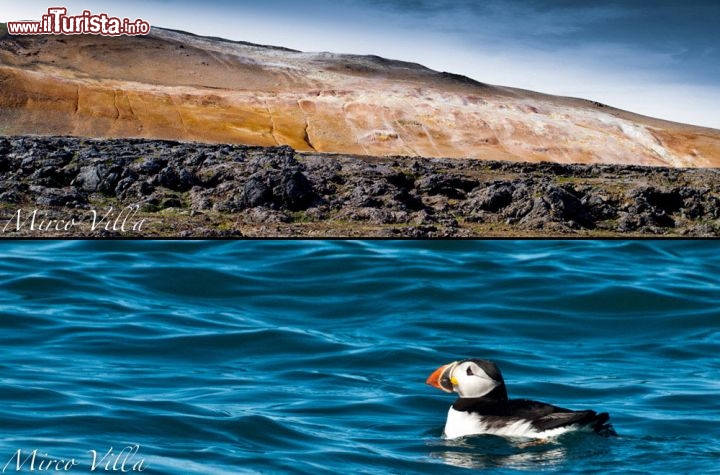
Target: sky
655, 57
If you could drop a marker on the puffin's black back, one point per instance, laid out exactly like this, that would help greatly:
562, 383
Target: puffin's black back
542, 416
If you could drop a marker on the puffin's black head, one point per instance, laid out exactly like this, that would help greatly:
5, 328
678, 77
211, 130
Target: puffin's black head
470, 378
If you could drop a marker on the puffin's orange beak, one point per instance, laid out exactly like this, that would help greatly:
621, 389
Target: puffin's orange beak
441, 378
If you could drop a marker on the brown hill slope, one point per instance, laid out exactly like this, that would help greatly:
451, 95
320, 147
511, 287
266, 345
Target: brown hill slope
175, 85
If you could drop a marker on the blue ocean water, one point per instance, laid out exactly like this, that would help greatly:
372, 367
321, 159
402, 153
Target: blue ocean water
311, 357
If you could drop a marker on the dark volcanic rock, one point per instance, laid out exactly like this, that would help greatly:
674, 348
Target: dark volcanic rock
176, 178
599, 205
651, 208
279, 189
58, 197
492, 198
450, 186
297, 191
650, 199
566, 207
100, 176
258, 191
273, 190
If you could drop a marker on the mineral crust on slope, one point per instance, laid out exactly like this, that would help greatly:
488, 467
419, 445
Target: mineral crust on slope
174, 85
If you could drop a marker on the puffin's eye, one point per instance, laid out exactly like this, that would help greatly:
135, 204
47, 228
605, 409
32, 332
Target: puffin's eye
469, 371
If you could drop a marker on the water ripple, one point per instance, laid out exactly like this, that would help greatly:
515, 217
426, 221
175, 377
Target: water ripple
311, 356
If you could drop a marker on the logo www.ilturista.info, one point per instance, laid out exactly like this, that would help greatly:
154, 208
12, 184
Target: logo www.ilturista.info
58, 22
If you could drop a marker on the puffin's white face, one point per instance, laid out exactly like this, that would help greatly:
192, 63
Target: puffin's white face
463, 377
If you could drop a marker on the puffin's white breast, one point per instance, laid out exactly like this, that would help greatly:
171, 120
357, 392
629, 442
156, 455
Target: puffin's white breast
460, 424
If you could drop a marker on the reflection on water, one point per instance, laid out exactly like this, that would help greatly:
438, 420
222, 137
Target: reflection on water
481, 452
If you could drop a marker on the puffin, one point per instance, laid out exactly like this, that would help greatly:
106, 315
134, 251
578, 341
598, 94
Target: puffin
483, 406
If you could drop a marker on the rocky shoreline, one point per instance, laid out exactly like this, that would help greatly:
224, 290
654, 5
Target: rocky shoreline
63, 186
